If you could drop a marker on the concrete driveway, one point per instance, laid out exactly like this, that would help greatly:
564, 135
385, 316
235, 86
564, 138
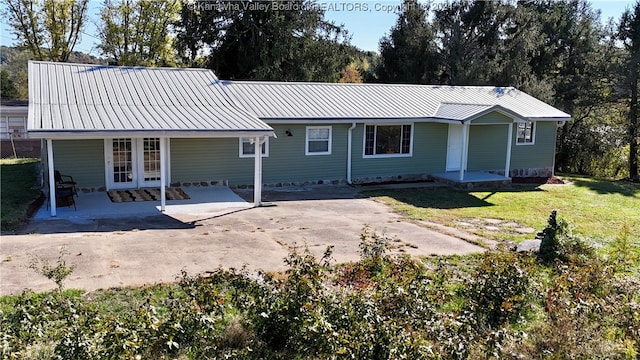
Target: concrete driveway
145, 250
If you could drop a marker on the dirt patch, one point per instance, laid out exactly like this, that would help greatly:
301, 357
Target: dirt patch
493, 225
538, 180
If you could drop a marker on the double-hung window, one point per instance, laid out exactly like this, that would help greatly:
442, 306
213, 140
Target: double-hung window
526, 133
387, 140
318, 140
248, 147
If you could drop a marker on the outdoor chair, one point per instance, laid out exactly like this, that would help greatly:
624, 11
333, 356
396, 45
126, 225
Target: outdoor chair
64, 196
65, 181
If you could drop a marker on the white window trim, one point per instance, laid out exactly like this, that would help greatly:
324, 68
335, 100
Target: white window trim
378, 156
306, 142
242, 155
533, 133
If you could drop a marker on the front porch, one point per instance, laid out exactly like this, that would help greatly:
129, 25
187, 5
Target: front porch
204, 202
471, 179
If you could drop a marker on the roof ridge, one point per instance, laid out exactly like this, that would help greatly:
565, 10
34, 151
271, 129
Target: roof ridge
121, 66
270, 82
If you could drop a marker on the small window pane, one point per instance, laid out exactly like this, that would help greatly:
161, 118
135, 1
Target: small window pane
319, 134
248, 147
318, 146
388, 140
369, 140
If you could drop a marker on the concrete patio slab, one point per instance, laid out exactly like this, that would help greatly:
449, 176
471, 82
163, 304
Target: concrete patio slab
203, 202
136, 250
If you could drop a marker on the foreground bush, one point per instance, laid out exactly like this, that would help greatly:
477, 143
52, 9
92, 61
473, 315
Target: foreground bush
496, 305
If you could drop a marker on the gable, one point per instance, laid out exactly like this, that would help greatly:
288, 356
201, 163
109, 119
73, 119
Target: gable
494, 117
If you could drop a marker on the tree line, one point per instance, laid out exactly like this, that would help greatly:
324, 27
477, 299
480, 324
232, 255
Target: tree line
558, 51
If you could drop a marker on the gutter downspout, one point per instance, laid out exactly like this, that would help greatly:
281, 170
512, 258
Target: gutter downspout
349, 151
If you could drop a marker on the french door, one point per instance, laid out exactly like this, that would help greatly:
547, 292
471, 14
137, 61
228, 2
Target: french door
132, 163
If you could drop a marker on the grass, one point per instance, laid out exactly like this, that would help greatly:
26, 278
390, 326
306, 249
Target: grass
597, 208
19, 187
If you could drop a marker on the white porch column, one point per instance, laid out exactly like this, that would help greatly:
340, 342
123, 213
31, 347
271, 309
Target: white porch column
507, 164
257, 173
163, 173
52, 178
465, 150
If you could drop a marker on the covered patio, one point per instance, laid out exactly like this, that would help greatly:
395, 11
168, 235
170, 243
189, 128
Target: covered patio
130, 115
205, 202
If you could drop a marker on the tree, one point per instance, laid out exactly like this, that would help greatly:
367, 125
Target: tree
470, 38
138, 32
280, 40
629, 34
409, 54
350, 74
50, 29
8, 89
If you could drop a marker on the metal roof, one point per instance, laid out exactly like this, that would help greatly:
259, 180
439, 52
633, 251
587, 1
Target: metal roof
67, 100
323, 101
459, 111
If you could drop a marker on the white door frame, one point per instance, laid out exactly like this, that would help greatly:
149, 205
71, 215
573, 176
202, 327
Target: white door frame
136, 154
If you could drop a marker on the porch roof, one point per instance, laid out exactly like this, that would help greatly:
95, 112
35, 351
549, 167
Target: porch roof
92, 101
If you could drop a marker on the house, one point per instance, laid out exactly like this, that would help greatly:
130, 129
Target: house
13, 131
131, 127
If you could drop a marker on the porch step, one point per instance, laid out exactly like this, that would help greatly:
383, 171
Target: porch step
472, 180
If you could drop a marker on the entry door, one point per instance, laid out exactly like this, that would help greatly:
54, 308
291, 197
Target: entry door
132, 163
454, 147
149, 162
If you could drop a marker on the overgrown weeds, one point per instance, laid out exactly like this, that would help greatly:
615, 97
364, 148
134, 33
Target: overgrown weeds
500, 304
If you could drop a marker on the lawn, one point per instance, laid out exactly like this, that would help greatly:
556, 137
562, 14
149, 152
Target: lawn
19, 187
596, 208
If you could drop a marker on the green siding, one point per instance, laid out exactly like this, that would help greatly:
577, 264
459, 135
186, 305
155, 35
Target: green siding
429, 154
209, 159
218, 159
287, 160
492, 118
487, 147
82, 159
541, 153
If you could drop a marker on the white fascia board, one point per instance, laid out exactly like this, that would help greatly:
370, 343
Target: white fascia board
395, 120
23, 110
69, 135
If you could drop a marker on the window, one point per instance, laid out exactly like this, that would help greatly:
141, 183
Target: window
318, 140
387, 140
526, 133
248, 147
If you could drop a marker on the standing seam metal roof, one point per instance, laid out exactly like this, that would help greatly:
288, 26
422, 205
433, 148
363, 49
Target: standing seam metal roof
317, 101
67, 97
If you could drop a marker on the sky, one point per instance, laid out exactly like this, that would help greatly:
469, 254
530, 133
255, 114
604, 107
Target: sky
366, 21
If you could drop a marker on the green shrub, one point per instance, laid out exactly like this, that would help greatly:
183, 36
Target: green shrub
498, 305
499, 289
560, 243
